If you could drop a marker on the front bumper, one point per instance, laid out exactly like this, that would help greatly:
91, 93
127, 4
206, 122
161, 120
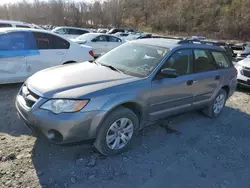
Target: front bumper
58, 128
243, 79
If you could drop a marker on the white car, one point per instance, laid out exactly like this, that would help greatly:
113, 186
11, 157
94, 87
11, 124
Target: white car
122, 35
70, 32
243, 68
19, 24
101, 43
26, 51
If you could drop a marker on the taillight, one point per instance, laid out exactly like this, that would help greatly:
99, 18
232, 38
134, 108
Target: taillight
91, 53
236, 71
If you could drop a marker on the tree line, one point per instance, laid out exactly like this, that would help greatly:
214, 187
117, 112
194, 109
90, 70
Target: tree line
218, 18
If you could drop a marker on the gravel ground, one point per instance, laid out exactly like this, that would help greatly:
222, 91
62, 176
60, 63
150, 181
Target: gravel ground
202, 152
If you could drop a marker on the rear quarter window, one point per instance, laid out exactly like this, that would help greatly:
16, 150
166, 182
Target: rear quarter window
221, 60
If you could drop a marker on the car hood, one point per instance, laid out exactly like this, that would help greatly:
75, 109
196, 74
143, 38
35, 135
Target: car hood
75, 80
245, 62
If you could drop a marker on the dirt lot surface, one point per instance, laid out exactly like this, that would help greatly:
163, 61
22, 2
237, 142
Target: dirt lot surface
202, 152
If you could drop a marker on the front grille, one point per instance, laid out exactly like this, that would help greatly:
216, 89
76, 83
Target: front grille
243, 82
247, 68
29, 97
246, 73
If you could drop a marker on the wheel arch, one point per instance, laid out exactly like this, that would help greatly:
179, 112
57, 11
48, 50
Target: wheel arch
227, 89
68, 62
112, 105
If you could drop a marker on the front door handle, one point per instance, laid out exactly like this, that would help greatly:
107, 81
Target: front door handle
59, 53
190, 82
217, 77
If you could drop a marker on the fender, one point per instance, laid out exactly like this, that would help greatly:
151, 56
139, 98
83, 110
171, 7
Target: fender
109, 106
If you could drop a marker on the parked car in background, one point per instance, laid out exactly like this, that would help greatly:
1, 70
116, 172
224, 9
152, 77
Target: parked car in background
92, 30
198, 38
121, 35
70, 32
116, 30
243, 68
237, 48
140, 81
101, 43
242, 54
102, 30
134, 36
26, 51
19, 24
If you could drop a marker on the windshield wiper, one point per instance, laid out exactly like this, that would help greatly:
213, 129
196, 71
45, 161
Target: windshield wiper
94, 62
113, 68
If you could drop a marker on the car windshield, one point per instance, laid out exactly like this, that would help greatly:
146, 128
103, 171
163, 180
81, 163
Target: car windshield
86, 36
134, 59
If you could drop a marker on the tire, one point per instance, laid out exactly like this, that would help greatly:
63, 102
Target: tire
113, 122
210, 110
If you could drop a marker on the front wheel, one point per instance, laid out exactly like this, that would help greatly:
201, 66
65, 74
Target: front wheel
216, 107
117, 131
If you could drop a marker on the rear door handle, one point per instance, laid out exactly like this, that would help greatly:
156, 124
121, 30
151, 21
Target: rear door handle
217, 77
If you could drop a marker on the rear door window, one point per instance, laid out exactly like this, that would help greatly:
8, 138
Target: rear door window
47, 41
221, 60
62, 31
101, 38
113, 39
23, 26
203, 61
77, 32
5, 25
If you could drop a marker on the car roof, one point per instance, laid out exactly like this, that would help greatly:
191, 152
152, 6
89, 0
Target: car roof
12, 22
172, 43
66, 27
98, 34
6, 29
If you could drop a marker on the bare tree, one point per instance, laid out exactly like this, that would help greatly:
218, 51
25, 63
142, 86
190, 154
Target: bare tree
224, 18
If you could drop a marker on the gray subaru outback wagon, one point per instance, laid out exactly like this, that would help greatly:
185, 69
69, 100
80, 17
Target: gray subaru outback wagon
112, 98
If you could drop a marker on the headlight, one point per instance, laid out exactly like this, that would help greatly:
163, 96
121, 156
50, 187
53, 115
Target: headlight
58, 106
238, 66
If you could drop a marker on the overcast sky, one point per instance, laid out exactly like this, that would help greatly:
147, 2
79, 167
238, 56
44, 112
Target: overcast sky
12, 1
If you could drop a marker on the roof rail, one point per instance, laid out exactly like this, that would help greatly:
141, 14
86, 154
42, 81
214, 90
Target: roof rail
192, 41
188, 41
167, 37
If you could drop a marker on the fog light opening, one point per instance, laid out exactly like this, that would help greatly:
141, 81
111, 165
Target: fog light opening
55, 136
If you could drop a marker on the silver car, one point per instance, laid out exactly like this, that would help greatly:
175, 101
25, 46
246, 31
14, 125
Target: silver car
111, 99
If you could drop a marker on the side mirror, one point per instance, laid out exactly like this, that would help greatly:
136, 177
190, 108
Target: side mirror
93, 40
169, 73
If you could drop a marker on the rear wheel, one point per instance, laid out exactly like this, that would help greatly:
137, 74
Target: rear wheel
216, 107
117, 131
